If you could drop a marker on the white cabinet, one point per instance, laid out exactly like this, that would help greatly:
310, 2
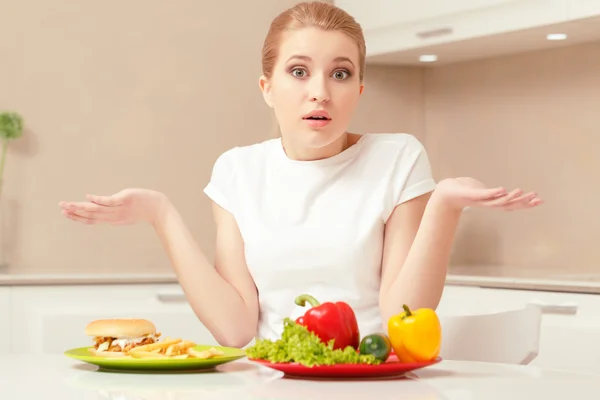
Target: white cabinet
383, 13
570, 322
5, 314
52, 319
397, 32
393, 26
583, 9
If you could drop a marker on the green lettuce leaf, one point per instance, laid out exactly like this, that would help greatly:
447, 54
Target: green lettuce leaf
299, 345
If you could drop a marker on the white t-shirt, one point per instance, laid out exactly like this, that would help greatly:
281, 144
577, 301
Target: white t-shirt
316, 227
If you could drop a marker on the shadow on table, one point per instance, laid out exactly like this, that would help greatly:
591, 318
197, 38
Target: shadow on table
231, 367
426, 373
226, 379
432, 373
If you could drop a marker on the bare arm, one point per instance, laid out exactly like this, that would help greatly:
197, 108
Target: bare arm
417, 246
223, 296
419, 237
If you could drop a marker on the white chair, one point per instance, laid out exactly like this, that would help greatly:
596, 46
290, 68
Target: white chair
508, 337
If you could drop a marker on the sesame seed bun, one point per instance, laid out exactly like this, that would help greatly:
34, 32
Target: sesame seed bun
120, 328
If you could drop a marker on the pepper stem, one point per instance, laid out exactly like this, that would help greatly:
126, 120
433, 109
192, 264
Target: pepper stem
407, 310
302, 299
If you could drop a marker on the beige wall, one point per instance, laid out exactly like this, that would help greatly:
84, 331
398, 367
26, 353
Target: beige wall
148, 96
109, 96
528, 121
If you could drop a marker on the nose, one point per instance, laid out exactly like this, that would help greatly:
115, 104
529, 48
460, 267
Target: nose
318, 90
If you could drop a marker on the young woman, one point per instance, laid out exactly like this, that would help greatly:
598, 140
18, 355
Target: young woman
338, 215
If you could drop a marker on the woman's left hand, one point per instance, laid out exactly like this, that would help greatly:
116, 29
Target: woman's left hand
468, 192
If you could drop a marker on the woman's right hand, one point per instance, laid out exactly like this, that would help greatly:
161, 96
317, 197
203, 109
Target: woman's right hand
123, 208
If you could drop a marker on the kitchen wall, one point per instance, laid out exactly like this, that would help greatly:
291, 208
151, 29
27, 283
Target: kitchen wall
528, 121
139, 94
149, 96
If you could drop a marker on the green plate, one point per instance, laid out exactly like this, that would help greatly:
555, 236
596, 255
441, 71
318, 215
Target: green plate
158, 364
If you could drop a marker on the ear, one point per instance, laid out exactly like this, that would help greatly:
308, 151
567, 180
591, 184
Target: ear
265, 88
362, 89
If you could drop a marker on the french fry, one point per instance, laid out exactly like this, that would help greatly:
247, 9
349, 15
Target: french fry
146, 354
205, 353
170, 348
153, 346
180, 347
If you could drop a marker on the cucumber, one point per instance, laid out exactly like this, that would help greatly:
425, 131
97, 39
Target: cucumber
377, 344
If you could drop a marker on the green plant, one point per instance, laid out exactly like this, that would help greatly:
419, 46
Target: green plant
11, 128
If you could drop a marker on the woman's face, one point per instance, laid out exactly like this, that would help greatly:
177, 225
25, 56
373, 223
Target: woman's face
314, 88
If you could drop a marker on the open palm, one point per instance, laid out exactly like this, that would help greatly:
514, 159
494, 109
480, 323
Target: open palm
468, 192
125, 207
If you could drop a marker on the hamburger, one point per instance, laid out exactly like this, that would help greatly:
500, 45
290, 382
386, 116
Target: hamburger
116, 337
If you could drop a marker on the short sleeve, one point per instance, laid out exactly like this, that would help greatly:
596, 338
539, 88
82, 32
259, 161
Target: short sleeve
221, 185
412, 175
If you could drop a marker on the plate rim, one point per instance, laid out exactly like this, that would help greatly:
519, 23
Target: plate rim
414, 365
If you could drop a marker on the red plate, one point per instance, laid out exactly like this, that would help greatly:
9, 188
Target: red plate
392, 367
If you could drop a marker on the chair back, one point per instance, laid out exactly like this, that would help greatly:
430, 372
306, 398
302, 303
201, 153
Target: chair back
509, 337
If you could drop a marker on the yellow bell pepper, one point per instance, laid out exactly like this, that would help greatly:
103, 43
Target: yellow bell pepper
415, 336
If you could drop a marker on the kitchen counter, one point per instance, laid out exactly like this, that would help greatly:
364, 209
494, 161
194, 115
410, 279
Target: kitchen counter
504, 277
507, 277
33, 279
40, 376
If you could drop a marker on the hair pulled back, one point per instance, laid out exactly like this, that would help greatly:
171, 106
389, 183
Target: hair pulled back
311, 14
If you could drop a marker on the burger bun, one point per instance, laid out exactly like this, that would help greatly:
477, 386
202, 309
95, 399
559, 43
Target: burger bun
114, 354
126, 328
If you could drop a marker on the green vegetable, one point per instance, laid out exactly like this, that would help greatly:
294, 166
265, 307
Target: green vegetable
298, 344
11, 125
377, 345
11, 128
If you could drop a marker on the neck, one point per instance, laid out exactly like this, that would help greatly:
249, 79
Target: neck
313, 154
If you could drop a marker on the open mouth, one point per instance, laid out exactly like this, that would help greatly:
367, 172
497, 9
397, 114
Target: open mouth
317, 118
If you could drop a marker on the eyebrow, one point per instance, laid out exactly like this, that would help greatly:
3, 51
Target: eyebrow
306, 58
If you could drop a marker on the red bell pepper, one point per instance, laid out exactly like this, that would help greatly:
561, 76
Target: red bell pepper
330, 321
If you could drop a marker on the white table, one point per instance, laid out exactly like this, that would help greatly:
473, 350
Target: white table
56, 376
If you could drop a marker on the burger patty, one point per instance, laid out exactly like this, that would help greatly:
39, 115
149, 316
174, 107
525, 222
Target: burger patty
117, 348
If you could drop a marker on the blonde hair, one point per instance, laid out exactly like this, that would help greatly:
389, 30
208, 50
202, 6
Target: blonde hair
311, 14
